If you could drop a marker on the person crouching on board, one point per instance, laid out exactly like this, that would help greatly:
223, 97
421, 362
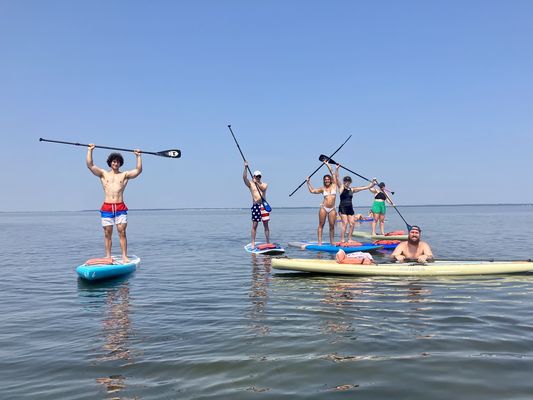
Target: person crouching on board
327, 207
413, 249
113, 210
258, 190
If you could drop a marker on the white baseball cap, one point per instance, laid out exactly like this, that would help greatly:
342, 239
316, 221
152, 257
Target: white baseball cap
257, 173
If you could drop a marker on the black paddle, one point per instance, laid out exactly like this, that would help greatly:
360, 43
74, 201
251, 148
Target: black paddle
482, 259
314, 172
323, 158
174, 153
263, 201
415, 261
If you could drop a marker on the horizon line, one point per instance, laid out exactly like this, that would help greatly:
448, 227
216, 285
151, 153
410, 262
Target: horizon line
282, 207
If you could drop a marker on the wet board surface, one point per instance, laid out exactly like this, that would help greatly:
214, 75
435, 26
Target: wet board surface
108, 271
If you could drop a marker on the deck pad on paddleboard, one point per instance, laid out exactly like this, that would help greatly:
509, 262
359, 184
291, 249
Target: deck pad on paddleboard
437, 268
369, 236
329, 248
265, 248
106, 271
387, 246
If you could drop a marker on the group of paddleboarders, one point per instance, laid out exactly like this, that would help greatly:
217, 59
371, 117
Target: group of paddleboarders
114, 211
331, 182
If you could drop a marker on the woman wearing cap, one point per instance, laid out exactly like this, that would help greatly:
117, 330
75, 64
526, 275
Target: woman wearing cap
379, 208
346, 211
327, 207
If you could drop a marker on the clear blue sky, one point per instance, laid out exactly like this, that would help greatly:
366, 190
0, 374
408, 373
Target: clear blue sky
438, 96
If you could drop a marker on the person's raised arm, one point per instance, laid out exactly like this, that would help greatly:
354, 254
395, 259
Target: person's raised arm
89, 161
339, 184
311, 189
134, 173
245, 175
331, 172
373, 183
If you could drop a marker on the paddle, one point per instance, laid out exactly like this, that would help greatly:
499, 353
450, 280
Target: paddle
174, 153
481, 259
263, 201
324, 157
415, 261
335, 152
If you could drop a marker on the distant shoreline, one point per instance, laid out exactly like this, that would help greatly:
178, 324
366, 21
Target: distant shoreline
279, 208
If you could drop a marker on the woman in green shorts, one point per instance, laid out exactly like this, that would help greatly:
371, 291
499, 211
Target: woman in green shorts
379, 207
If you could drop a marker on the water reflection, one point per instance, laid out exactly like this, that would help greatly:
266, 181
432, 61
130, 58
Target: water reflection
353, 301
116, 326
261, 267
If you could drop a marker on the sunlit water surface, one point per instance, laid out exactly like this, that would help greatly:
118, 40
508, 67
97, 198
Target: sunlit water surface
203, 319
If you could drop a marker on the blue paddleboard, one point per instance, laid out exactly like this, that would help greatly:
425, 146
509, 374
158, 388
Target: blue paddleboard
271, 249
333, 249
107, 271
384, 246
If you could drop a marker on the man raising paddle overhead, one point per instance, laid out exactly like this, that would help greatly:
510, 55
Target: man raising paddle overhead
258, 190
114, 211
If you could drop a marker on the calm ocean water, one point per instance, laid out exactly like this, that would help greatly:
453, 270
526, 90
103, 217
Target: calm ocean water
202, 319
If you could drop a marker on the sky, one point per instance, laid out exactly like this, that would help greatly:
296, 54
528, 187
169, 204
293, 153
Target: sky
437, 95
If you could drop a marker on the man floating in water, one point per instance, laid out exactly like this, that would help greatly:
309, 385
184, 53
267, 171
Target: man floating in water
413, 249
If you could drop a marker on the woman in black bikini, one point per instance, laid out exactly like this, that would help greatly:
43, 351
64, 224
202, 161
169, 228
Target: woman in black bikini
327, 207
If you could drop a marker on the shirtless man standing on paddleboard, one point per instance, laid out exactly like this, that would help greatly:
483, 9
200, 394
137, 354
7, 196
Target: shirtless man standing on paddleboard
114, 211
258, 190
413, 248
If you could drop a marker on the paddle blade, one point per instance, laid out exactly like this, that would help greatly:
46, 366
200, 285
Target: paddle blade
267, 206
174, 153
326, 158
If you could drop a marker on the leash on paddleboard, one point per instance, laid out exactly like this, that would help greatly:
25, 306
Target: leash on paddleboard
314, 172
329, 160
173, 153
263, 201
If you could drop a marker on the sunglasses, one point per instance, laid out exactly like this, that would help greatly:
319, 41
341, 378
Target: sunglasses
257, 176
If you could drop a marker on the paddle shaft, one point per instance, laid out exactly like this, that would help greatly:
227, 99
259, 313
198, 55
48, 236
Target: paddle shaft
415, 261
323, 157
315, 171
265, 203
398, 211
105, 147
